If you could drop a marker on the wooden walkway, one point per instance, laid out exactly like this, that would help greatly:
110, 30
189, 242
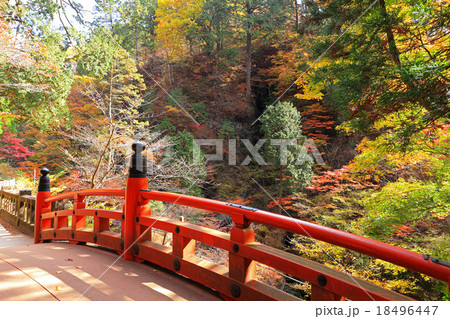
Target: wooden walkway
61, 271
10, 236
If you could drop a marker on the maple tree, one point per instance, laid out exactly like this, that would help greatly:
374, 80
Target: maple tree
109, 81
11, 147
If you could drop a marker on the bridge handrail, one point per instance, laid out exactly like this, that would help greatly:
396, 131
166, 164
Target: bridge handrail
370, 247
238, 281
18, 209
87, 192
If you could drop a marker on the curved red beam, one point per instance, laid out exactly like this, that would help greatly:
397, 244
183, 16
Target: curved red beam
370, 247
87, 192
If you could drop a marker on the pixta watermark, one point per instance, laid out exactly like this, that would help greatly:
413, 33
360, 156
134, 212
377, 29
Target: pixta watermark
288, 152
287, 148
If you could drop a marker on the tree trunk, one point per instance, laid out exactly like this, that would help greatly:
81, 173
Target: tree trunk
296, 15
248, 64
137, 43
218, 50
390, 35
280, 192
111, 21
248, 78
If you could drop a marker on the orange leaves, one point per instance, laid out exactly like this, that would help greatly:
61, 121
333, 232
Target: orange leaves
404, 230
242, 201
317, 122
81, 107
337, 181
172, 109
286, 201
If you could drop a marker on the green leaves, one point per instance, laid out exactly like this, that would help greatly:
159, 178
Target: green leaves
405, 202
36, 76
281, 125
102, 58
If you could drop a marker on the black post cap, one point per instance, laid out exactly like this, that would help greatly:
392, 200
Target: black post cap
138, 167
44, 181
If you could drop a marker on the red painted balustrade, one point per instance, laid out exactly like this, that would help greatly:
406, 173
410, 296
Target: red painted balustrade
237, 281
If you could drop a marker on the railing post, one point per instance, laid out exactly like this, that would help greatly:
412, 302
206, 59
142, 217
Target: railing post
182, 247
22, 204
241, 268
143, 210
42, 193
17, 208
78, 221
137, 181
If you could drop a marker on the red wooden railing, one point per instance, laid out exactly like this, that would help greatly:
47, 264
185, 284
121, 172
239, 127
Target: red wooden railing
238, 280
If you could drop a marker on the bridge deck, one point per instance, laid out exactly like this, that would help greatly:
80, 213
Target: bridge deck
60, 271
10, 236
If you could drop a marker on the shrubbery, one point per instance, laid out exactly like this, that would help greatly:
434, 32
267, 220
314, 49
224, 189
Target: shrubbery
404, 202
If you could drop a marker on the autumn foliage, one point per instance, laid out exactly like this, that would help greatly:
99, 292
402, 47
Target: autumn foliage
11, 147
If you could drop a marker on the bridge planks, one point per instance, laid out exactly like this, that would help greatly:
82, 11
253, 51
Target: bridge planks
37, 272
208, 274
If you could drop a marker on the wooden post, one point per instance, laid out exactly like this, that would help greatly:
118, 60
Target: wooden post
17, 208
137, 181
42, 193
241, 268
143, 210
78, 221
23, 203
182, 246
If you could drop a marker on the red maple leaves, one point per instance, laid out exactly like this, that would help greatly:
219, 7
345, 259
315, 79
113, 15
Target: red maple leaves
11, 147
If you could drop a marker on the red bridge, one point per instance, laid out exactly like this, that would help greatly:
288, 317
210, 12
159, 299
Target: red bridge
55, 230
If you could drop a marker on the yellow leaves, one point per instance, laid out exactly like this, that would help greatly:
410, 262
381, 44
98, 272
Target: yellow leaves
8, 117
85, 79
176, 18
311, 90
346, 127
172, 109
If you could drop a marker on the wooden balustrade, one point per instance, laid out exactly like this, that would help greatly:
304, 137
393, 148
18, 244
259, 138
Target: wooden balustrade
18, 209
